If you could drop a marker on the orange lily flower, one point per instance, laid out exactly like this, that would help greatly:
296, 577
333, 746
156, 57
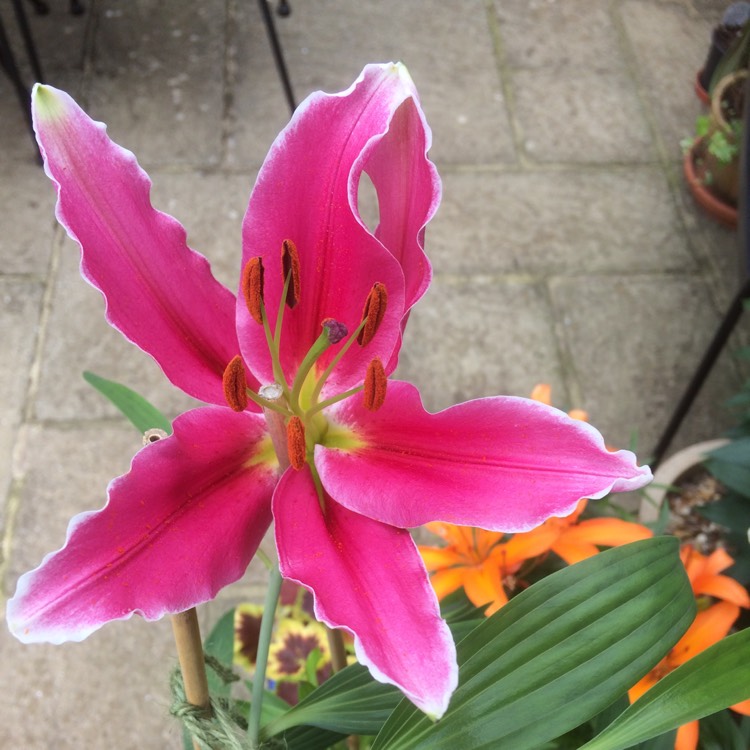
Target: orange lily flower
573, 540
709, 627
474, 559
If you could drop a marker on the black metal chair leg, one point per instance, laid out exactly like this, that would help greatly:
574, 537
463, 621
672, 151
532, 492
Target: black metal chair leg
23, 25
278, 54
712, 353
8, 63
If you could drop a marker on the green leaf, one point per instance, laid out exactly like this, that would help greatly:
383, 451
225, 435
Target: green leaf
220, 645
719, 732
730, 464
712, 680
558, 653
350, 702
144, 415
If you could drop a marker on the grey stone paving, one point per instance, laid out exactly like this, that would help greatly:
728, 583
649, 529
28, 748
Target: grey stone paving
566, 250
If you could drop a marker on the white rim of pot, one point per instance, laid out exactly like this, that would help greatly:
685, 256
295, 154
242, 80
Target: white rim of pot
670, 472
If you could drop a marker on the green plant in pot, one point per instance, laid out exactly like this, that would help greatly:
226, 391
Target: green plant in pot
712, 157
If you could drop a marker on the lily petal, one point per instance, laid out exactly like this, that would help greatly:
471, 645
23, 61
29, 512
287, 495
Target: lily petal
505, 463
306, 192
183, 523
159, 293
368, 579
408, 188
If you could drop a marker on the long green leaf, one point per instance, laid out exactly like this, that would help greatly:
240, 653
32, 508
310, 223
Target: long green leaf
220, 645
144, 415
714, 679
558, 653
350, 702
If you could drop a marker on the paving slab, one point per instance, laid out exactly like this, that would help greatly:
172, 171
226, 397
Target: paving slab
557, 221
211, 206
449, 54
634, 343
581, 117
78, 338
669, 45
26, 238
458, 345
537, 34
158, 79
63, 696
20, 307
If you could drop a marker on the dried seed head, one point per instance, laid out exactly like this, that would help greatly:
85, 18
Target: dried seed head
235, 385
377, 301
252, 287
290, 265
376, 384
295, 442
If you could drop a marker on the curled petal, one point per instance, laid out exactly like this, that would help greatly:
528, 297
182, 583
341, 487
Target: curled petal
368, 579
159, 293
307, 192
183, 523
504, 464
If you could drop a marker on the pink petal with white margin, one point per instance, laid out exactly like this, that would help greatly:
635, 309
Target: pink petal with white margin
184, 522
367, 578
503, 464
408, 188
159, 293
306, 192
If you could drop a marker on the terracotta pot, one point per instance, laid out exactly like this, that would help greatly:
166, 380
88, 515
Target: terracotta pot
671, 472
720, 209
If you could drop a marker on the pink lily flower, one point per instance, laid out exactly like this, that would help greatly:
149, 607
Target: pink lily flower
368, 461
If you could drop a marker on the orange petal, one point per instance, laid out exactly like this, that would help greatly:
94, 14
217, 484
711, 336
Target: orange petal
531, 543
607, 532
687, 737
709, 627
718, 560
542, 392
742, 708
579, 414
572, 551
445, 582
436, 558
483, 586
645, 683
722, 587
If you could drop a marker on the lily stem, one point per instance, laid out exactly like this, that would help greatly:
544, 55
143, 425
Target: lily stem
264, 644
336, 646
187, 636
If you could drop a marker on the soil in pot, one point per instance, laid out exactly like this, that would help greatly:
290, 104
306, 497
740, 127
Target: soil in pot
696, 489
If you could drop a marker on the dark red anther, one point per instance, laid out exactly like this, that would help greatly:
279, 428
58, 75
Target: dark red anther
376, 384
252, 288
235, 384
377, 301
290, 265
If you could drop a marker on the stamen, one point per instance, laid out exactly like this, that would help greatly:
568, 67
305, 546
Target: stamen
252, 288
235, 384
290, 266
375, 385
295, 442
372, 315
